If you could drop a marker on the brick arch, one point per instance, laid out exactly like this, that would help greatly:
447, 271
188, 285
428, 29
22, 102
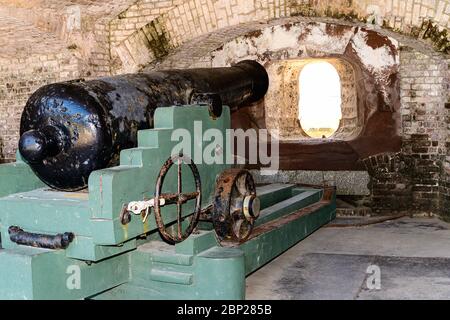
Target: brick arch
187, 20
424, 94
374, 57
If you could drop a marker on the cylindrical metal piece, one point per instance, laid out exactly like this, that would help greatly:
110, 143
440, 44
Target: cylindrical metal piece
59, 241
70, 129
251, 207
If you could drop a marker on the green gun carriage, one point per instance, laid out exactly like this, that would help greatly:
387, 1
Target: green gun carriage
159, 225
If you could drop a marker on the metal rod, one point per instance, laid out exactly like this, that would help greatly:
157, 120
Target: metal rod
179, 208
59, 241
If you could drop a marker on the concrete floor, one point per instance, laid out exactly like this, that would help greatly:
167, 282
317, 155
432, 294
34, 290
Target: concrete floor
412, 254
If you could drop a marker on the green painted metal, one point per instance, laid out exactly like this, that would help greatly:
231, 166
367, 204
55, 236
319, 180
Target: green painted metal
94, 216
17, 177
135, 178
214, 272
269, 245
115, 261
296, 202
271, 194
196, 269
30, 273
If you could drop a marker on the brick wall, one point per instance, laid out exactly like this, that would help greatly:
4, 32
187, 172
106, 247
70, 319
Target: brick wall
415, 175
65, 39
137, 16
424, 91
445, 178
43, 42
414, 179
20, 78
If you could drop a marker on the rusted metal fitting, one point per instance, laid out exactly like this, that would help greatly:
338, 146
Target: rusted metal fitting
138, 207
212, 100
252, 207
21, 237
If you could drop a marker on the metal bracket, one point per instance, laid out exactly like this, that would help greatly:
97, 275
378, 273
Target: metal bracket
136, 207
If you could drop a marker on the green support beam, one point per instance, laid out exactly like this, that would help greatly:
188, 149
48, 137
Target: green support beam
201, 268
29, 273
116, 261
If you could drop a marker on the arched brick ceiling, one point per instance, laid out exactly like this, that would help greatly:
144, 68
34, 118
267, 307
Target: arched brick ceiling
425, 19
197, 52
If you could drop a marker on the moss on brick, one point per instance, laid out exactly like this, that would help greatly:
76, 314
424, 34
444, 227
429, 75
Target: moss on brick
308, 10
158, 41
304, 10
439, 38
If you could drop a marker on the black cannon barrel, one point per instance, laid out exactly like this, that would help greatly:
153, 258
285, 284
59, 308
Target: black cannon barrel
70, 129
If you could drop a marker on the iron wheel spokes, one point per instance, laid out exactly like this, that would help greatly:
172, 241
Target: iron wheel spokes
179, 198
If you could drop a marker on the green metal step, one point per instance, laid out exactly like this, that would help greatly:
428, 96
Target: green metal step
163, 275
174, 259
164, 265
274, 193
277, 236
292, 204
33, 273
59, 211
163, 253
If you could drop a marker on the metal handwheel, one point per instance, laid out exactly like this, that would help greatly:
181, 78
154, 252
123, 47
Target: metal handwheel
179, 198
236, 206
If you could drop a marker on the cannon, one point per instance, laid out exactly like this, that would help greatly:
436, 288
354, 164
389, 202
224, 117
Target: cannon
70, 129
160, 224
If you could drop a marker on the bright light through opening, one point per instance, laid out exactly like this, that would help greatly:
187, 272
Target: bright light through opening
320, 99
